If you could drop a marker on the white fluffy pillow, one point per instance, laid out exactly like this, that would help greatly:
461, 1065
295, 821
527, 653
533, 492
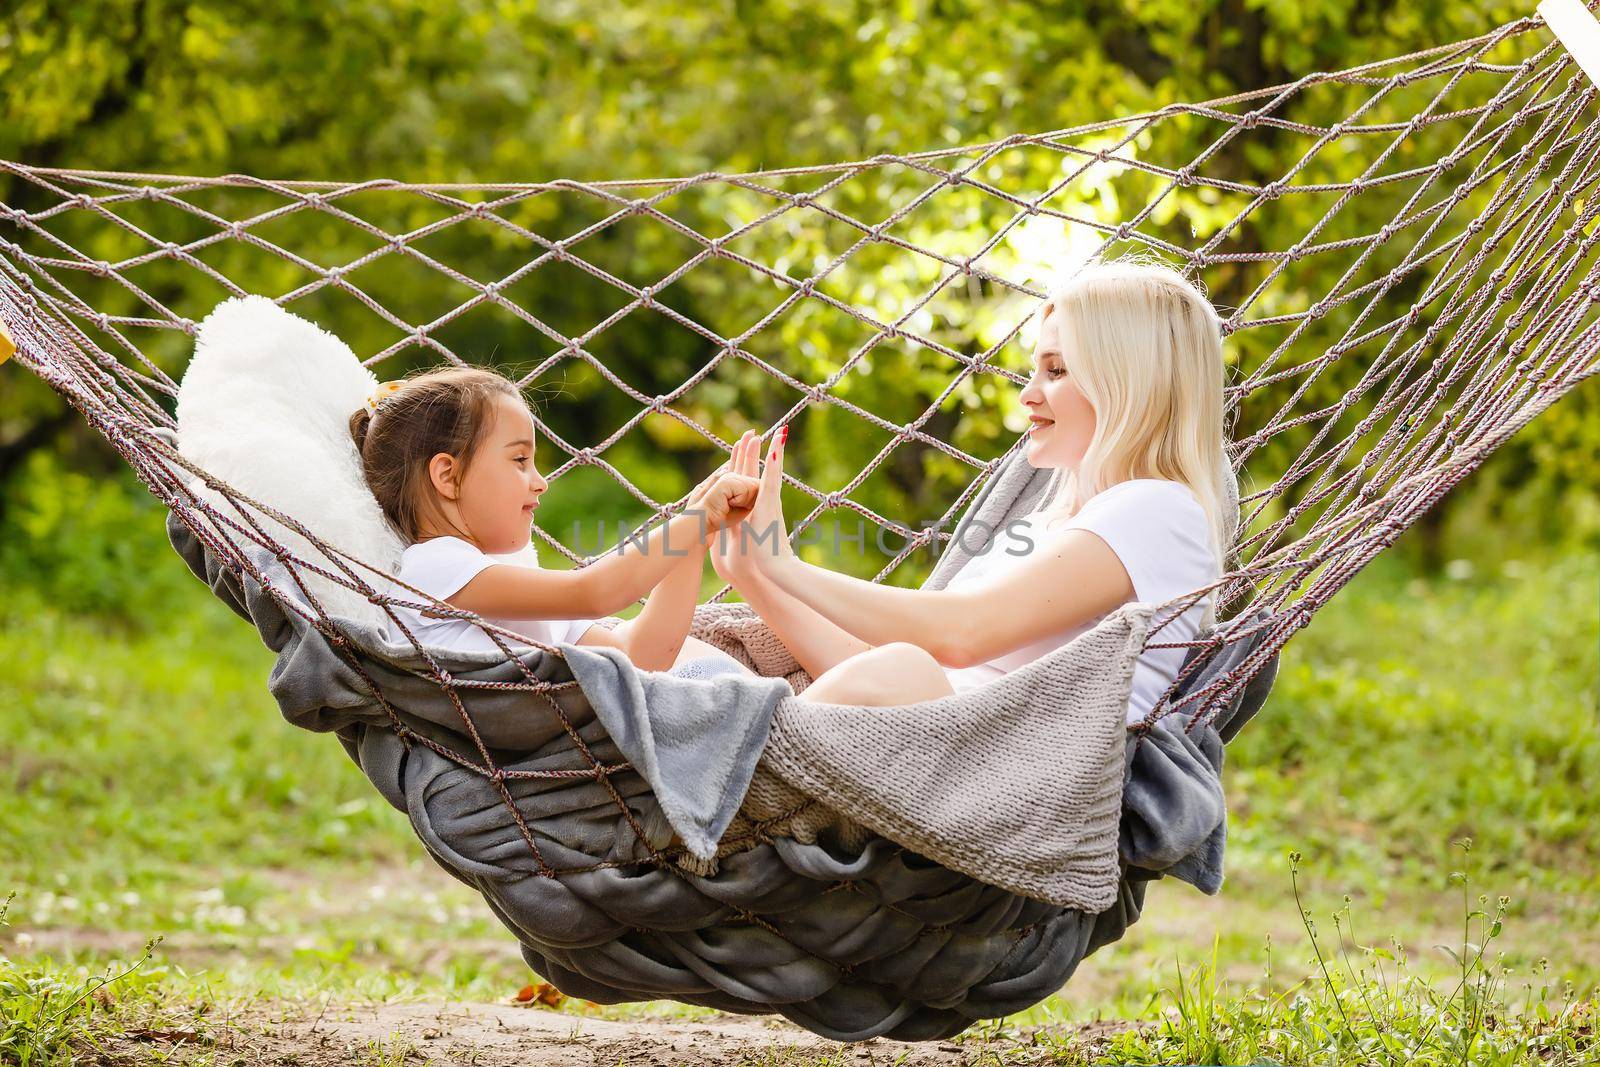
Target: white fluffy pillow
265, 406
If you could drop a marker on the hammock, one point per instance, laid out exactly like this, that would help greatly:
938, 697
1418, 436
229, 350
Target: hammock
1377, 365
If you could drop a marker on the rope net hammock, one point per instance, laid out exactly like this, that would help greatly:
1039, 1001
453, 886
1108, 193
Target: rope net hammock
1439, 295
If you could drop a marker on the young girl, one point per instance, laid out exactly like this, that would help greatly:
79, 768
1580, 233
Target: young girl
449, 457
1126, 399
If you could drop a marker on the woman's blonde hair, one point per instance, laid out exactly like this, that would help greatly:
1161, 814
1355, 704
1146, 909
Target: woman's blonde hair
1144, 345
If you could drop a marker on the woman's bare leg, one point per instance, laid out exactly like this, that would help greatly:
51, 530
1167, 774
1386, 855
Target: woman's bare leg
890, 674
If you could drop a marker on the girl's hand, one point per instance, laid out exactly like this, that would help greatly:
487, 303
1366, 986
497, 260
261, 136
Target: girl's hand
698, 493
728, 500
695, 501
731, 564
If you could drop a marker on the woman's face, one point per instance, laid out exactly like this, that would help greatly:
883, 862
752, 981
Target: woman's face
1060, 416
495, 500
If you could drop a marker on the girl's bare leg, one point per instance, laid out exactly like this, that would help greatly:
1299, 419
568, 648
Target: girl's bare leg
896, 673
694, 648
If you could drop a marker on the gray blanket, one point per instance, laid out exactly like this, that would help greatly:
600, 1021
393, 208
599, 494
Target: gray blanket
803, 910
695, 740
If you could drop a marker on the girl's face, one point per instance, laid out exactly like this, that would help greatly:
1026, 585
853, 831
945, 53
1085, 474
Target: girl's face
1061, 418
495, 500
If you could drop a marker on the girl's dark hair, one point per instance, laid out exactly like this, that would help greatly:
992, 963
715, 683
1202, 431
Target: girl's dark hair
438, 411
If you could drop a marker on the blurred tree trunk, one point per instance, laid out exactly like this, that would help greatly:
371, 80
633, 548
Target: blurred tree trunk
1428, 533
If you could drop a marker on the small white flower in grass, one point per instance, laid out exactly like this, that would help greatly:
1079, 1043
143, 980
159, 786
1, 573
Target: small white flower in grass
129, 899
24, 940
220, 915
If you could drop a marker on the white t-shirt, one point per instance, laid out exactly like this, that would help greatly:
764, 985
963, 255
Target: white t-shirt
441, 567
1158, 530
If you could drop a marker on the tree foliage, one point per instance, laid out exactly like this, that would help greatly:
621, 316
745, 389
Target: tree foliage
507, 90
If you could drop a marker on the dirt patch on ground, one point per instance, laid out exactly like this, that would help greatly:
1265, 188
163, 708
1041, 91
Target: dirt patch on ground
493, 1035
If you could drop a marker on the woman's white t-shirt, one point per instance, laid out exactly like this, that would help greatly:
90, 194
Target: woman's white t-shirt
441, 567
1158, 530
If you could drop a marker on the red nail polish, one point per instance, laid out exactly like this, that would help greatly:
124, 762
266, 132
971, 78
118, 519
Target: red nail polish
783, 435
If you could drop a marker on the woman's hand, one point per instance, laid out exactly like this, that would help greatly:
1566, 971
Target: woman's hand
766, 518
731, 564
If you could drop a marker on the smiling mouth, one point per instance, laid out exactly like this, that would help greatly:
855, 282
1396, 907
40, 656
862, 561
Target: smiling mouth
1039, 424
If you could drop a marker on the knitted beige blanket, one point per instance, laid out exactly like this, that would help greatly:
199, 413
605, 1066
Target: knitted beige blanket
1018, 783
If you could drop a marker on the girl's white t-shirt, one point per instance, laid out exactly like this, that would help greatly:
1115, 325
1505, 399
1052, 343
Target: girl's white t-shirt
1158, 530
441, 567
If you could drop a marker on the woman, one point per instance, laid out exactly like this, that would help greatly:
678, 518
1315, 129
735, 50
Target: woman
1125, 400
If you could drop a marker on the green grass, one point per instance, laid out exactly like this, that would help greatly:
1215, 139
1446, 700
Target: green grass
47, 1013
154, 790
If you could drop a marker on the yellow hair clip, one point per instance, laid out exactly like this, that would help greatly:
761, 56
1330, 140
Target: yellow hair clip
380, 393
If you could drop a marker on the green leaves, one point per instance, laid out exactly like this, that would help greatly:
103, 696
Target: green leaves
470, 91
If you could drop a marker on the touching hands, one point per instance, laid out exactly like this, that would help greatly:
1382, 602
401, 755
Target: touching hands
740, 548
727, 560
698, 493
727, 490
726, 501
